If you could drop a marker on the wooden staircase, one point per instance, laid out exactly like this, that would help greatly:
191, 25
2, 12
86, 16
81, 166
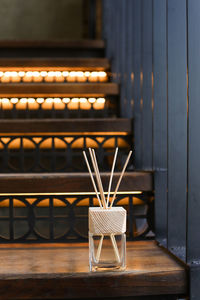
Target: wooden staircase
45, 125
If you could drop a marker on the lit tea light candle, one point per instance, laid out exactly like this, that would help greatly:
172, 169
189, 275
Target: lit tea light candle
59, 76
71, 77
43, 73
49, 77
32, 104
102, 76
87, 73
37, 77
22, 104
21, 74
58, 104
99, 104
28, 77
6, 77
40, 100
14, 100
6, 104
48, 103
81, 77
66, 100
92, 100
74, 103
14, 76
84, 104
93, 77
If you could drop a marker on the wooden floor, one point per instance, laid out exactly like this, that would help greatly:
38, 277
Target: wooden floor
60, 271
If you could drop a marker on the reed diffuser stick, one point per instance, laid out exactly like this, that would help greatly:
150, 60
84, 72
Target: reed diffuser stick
97, 176
99, 179
91, 176
99, 248
120, 178
111, 176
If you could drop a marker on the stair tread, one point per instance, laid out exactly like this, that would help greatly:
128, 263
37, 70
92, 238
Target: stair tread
29, 271
66, 125
71, 182
80, 44
42, 63
58, 89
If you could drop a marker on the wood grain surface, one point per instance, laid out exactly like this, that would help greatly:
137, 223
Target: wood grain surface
68, 63
58, 89
82, 126
71, 182
61, 271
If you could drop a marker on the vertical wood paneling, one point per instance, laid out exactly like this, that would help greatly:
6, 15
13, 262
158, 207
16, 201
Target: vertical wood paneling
128, 60
177, 126
123, 52
193, 240
136, 67
147, 53
160, 117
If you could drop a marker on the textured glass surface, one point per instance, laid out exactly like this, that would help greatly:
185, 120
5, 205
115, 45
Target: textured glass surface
107, 252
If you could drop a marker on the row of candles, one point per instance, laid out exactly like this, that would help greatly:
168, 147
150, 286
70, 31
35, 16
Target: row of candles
56, 103
53, 76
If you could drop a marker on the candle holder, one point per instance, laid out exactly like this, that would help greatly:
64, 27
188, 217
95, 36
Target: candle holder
107, 224
107, 238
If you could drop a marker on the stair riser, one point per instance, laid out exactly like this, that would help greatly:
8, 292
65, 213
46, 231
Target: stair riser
59, 153
63, 218
14, 108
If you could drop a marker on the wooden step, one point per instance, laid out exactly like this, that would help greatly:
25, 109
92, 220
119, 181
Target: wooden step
32, 64
71, 44
29, 272
58, 89
52, 48
52, 183
83, 126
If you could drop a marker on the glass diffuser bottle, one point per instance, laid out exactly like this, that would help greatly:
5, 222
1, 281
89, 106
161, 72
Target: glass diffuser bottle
107, 238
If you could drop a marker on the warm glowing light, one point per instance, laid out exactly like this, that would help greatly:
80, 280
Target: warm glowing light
21, 73
101, 100
36, 74
29, 74
102, 74
75, 100
31, 100
66, 100
87, 74
58, 74
23, 100
57, 100
94, 74
7, 74
92, 100
72, 103
14, 100
65, 73
50, 74
83, 100
5, 100
40, 100
49, 100
72, 74
43, 73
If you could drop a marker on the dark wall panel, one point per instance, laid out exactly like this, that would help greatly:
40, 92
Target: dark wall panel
193, 243
160, 117
147, 105
177, 124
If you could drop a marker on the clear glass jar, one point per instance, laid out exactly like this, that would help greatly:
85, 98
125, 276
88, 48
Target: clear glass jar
107, 252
